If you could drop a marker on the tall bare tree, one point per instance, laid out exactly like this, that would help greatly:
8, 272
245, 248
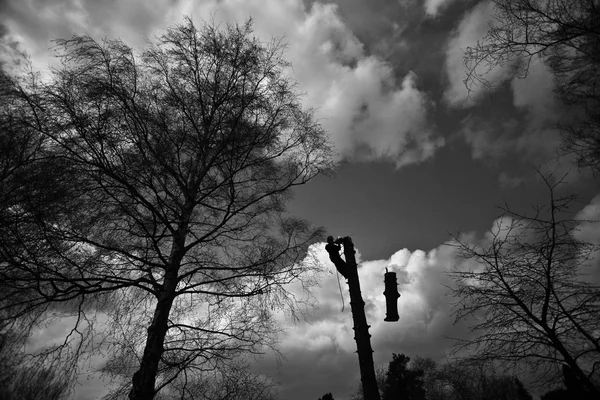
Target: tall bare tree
528, 295
563, 34
176, 165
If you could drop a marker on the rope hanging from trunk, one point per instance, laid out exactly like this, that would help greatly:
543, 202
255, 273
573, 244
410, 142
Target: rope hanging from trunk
340, 286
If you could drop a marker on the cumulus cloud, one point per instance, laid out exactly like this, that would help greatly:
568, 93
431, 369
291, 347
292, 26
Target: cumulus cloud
472, 28
320, 352
532, 135
434, 7
534, 92
370, 114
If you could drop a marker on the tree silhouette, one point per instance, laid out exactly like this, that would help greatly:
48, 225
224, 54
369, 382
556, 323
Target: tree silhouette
573, 389
522, 393
326, 396
169, 175
528, 293
401, 382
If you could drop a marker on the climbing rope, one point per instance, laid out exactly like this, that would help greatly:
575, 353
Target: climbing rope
340, 286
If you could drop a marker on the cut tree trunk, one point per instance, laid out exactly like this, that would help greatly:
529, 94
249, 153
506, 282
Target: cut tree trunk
361, 328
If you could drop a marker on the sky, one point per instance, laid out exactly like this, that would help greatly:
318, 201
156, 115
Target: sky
420, 158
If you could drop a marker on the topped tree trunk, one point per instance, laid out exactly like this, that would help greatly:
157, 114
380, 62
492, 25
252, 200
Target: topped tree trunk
349, 270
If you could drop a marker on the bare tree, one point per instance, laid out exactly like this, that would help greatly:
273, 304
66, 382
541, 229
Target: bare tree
176, 166
526, 293
563, 34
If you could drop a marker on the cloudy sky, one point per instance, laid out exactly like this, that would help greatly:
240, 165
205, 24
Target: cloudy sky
420, 157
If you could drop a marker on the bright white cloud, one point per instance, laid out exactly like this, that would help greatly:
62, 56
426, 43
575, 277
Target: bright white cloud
320, 352
369, 112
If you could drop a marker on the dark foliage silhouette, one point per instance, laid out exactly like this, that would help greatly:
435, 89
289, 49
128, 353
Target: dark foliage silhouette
402, 382
326, 396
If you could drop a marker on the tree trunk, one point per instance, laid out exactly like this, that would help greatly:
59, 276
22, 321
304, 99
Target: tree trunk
583, 380
361, 328
144, 379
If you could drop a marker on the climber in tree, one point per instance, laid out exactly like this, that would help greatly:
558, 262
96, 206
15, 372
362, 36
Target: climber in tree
333, 247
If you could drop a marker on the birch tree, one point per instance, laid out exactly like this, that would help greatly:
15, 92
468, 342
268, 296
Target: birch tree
176, 164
